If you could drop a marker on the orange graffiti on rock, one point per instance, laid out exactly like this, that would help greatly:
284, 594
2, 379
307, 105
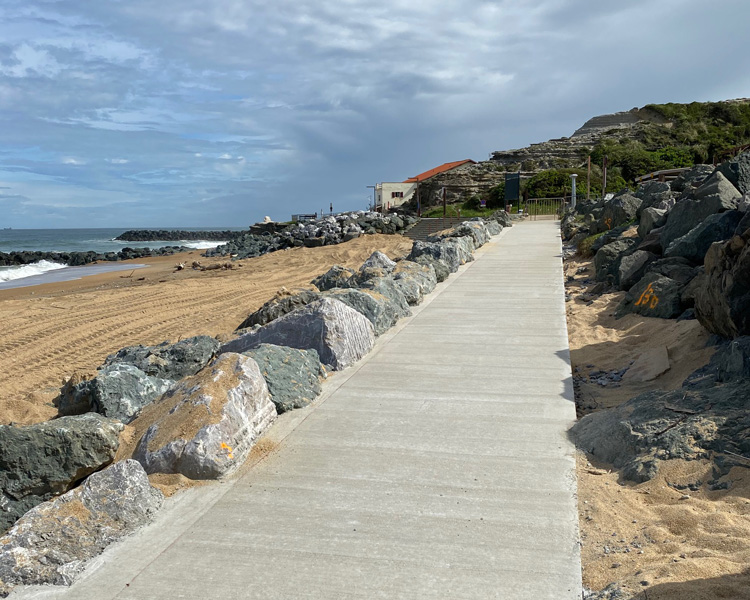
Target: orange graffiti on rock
228, 448
648, 298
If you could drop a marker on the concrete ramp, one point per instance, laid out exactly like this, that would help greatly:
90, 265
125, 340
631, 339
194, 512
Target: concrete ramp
438, 467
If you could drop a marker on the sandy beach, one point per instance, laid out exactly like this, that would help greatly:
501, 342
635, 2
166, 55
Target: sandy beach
655, 539
54, 330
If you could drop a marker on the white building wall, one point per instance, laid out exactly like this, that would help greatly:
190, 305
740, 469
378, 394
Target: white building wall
388, 195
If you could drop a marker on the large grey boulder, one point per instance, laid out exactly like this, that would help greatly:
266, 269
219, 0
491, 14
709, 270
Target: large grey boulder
336, 277
380, 310
694, 176
677, 268
414, 280
384, 285
205, 427
688, 214
737, 172
685, 424
607, 259
653, 296
119, 391
632, 267
651, 218
450, 252
292, 375
40, 461
378, 260
441, 269
502, 218
722, 298
653, 194
282, 303
52, 543
620, 210
168, 361
493, 227
339, 333
695, 243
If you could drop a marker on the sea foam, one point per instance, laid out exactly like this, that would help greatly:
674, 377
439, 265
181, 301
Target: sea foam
37, 268
200, 245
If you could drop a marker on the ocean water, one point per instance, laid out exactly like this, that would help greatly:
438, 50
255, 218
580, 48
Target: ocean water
76, 240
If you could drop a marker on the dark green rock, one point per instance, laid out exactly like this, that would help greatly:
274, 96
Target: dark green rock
44, 460
695, 243
653, 296
278, 306
336, 277
292, 375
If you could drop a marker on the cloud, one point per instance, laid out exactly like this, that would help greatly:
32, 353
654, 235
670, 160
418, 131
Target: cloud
258, 108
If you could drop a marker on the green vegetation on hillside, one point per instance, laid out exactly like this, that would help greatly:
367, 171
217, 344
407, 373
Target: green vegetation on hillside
690, 134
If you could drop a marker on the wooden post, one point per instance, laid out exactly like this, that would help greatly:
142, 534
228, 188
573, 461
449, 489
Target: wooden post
419, 205
588, 182
445, 203
604, 177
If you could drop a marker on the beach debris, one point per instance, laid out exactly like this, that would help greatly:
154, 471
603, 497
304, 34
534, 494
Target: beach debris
206, 425
179, 266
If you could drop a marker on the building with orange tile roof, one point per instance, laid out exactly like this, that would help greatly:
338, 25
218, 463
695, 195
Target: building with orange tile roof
391, 194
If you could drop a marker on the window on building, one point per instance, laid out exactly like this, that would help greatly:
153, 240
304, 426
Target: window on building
397, 194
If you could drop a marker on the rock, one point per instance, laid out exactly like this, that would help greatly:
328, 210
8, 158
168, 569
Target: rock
608, 257
381, 311
653, 296
652, 241
718, 185
378, 260
737, 172
119, 391
608, 237
51, 544
722, 298
205, 426
414, 280
441, 269
688, 214
282, 303
691, 177
649, 365
653, 194
501, 217
315, 242
386, 287
632, 267
336, 277
695, 243
493, 227
339, 333
651, 218
685, 424
621, 210
677, 268
744, 204
730, 363
168, 361
43, 460
292, 375
450, 252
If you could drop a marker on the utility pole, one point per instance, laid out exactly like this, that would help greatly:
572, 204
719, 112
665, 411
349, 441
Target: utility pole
573, 190
419, 205
588, 182
604, 179
445, 203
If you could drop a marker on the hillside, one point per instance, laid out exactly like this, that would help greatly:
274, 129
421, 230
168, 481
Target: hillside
636, 142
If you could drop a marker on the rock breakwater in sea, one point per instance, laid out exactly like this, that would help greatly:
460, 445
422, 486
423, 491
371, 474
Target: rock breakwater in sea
270, 237
198, 408
77, 259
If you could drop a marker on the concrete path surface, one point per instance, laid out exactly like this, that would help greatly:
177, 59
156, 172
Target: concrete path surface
437, 467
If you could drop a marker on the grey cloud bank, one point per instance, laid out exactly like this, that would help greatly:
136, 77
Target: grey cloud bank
191, 113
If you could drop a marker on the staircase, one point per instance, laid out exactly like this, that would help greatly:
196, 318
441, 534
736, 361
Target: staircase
426, 227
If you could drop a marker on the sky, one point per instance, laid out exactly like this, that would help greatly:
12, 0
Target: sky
185, 113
